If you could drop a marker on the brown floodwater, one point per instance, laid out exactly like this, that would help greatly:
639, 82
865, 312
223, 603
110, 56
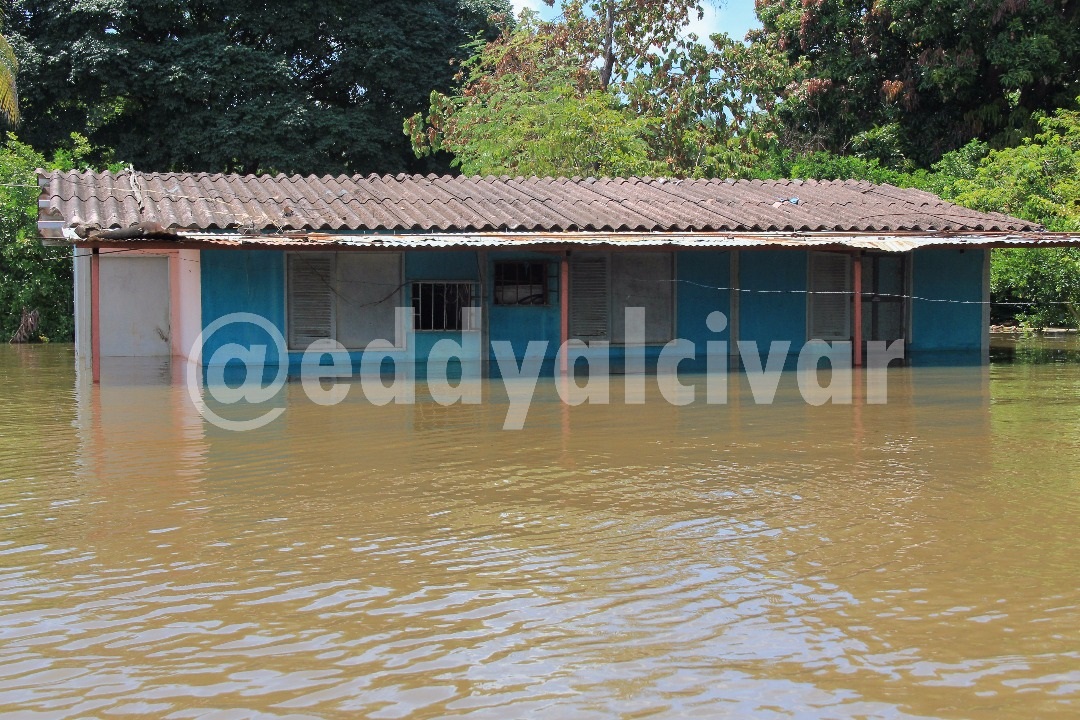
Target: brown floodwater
913, 559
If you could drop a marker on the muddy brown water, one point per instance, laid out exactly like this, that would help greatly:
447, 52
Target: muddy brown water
913, 559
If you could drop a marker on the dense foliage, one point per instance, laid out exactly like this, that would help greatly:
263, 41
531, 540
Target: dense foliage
1038, 180
33, 277
612, 87
312, 86
1041, 287
918, 78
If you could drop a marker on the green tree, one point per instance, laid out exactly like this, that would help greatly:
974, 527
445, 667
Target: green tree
1039, 287
938, 73
608, 88
34, 277
527, 106
1039, 180
318, 86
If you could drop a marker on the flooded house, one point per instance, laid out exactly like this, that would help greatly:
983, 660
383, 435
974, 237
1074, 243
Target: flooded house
163, 259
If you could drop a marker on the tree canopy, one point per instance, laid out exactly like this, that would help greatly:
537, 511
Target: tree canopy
926, 76
610, 87
316, 86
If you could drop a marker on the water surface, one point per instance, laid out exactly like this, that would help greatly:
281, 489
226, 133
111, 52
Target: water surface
908, 560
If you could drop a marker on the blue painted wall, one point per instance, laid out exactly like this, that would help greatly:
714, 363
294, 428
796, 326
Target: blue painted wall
946, 274
235, 281
519, 324
254, 281
702, 278
769, 316
436, 265
441, 265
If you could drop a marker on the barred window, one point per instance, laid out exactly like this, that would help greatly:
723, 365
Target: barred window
439, 305
523, 283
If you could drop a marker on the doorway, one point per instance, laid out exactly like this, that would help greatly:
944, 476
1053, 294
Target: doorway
884, 296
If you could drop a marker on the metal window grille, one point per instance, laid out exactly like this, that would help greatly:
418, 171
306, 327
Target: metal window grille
439, 305
523, 283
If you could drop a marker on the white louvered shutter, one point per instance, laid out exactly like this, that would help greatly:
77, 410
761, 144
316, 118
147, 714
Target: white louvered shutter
311, 299
589, 297
830, 298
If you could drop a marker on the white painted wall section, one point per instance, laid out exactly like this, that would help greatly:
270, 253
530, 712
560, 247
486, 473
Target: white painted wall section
81, 261
135, 315
185, 285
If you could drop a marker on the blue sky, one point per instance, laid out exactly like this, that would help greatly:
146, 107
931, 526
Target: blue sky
734, 17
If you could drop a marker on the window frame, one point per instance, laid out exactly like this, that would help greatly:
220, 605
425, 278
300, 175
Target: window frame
608, 255
812, 291
336, 294
548, 290
466, 323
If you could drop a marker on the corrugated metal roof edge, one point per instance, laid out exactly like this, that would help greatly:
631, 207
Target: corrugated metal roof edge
892, 242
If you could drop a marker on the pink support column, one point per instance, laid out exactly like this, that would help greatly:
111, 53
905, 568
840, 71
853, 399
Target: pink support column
564, 307
858, 360
95, 315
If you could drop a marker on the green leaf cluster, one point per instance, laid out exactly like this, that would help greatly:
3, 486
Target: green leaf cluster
614, 87
1038, 180
938, 72
1046, 281
33, 276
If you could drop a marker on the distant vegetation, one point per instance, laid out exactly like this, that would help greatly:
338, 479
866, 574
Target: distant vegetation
975, 100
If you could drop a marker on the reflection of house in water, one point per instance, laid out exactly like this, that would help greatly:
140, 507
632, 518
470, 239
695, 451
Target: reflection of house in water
166, 255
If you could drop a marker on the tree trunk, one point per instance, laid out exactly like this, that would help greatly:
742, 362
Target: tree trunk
28, 325
609, 44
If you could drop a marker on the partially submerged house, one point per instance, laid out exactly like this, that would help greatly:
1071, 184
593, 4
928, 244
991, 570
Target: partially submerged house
161, 257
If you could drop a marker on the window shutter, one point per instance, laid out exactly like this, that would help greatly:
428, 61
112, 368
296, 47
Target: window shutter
830, 299
589, 297
311, 299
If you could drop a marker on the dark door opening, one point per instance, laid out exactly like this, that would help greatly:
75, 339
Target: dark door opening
884, 305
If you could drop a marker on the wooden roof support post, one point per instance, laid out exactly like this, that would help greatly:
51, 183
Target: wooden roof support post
95, 315
564, 308
857, 315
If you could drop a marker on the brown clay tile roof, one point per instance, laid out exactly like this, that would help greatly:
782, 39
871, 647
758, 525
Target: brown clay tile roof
90, 201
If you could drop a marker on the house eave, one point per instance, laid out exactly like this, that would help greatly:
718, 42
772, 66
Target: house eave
315, 241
